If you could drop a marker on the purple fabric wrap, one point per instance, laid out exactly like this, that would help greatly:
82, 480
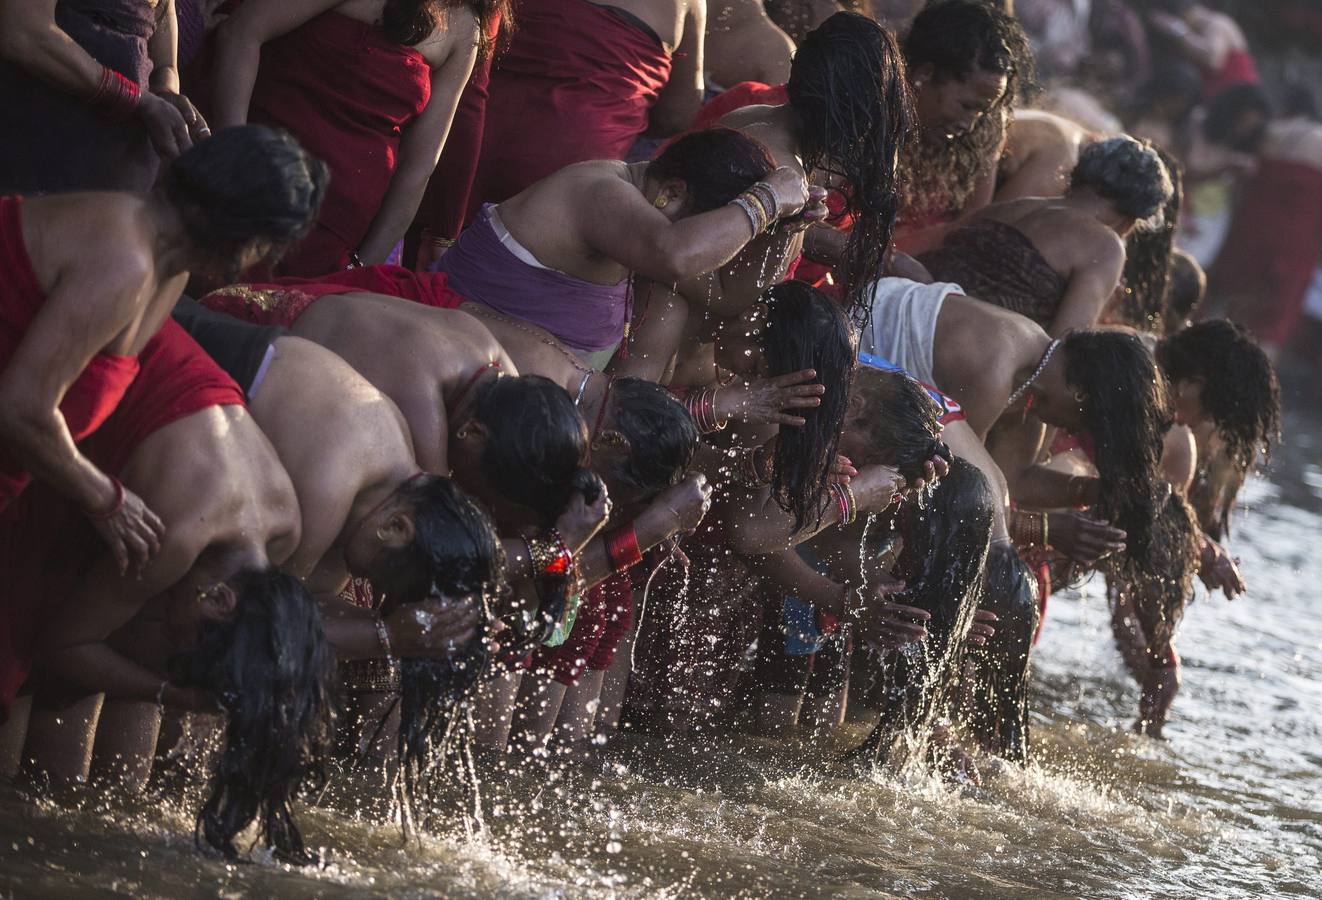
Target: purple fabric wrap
57, 142
583, 316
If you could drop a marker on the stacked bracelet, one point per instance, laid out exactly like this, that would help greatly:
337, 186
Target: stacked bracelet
770, 203
846, 503
622, 548
702, 407
549, 556
116, 95
115, 508
1029, 529
756, 218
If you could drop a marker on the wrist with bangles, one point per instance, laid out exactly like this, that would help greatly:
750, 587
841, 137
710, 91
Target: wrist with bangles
755, 466
1029, 529
701, 405
622, 548
549, 556
116, 506
846, 503
116, 96
383, 638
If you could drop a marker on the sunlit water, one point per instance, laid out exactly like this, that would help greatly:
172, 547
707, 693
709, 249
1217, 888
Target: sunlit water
1227, 807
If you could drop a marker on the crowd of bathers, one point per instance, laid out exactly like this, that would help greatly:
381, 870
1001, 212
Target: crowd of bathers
388, 376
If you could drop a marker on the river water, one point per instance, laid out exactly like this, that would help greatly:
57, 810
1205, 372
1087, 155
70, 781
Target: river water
1227, 807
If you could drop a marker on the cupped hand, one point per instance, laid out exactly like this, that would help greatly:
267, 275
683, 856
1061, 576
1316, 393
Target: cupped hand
763, 401
1219, 570
875, 487
791, 190
133, 534
1083, 538
686, 502
581, 521
891, 625
439, 626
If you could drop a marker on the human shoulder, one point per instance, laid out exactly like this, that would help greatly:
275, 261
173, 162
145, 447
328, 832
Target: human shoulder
457, 30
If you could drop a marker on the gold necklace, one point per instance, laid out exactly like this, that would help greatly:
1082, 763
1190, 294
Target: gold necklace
491, 316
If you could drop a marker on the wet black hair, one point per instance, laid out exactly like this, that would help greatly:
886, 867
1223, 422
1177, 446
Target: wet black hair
1127, 411
1127, 173
662, 435
1149, 254
246, 183
537, 445
1185, 290
1240, 390
805, 329
467, 559
848, 88
271, 670
957, 37
943, 566
902, 421
998, 706
448, 529
410, 22
715, 164
1226, 111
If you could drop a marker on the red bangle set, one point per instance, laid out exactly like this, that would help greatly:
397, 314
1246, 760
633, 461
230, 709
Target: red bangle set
622, 548
702, 407
116, 95
115, 508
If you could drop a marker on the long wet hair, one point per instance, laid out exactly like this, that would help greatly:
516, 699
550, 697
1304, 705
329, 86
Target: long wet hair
466, 560
1185, 291
900, 420
537, 447
1127, 412
998, 709
245, 183
958, 38
805, 329
662, 435
715, 164
1240, 390
848, 88
272, 671
410, 22
1150, 248
943, 565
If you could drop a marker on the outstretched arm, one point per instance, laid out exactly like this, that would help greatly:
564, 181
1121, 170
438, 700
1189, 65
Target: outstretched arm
679, 101
1091, 285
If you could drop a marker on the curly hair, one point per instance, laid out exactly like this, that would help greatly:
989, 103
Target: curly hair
806, 330
1127, 412
271, 670
957, 38
1149, 256
1240, 390
848, 88
1127, 173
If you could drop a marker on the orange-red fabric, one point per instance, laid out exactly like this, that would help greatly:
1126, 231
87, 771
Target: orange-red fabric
284, 300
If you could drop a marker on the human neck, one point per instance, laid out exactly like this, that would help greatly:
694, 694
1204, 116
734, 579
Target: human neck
1090, 203
172, 251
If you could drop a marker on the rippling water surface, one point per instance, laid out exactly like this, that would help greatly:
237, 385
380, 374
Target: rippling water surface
1227, 807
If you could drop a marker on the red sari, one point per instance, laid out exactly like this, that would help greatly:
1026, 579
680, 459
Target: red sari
1272, 249
577, 82
347, 93
96, 392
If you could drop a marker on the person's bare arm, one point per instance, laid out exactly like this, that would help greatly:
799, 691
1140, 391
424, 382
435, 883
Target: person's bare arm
239, 41
1091, 285
422, 141
1207, 49
1045, 173
74, 644
676, 510
30, 39
657, 332
1016, 446
679, 101
615, 220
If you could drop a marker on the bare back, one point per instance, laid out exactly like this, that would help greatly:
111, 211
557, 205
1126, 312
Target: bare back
419, 357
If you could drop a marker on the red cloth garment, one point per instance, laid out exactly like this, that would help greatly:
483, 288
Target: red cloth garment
745, 93
577, 82
1271, 249
603, 620
1237, 68
177, 378
347, 93
95, 393
445, 203
282, 302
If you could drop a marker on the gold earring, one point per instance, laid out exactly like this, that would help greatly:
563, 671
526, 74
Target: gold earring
381, 535
661, 201
462, 433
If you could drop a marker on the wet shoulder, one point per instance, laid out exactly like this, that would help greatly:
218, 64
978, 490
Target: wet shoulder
457, 31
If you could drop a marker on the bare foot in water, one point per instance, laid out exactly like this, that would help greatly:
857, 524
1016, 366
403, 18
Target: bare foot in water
1159, 690
951, 759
